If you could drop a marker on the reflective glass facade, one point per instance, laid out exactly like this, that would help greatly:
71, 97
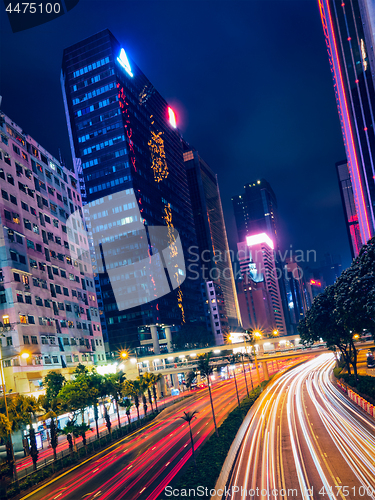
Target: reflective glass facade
123, 142
215, 260
349, 34
351, 217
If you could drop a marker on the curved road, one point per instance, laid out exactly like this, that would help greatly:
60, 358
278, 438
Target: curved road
306, 440
141, 465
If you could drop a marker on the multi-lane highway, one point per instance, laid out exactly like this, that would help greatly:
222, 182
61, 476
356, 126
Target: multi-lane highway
141, 465
305, 440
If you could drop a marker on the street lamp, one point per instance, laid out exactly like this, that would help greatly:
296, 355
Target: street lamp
275, 332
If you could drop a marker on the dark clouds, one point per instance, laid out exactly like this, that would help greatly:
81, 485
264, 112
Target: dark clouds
250, 79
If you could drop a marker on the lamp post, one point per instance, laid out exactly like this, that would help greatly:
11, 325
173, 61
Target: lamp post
24, 355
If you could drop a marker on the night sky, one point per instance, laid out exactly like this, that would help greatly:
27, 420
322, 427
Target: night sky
250, 82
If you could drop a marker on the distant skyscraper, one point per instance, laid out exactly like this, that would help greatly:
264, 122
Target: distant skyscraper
48, 305
255, 211
351, 217
125, 145
257, 263
296, 292
209, 223
349, 31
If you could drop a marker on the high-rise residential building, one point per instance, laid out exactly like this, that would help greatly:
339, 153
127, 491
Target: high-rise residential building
255, 304
349, 33
48, 304
257, 264
128, 156
348, 202
213, 249
255, 211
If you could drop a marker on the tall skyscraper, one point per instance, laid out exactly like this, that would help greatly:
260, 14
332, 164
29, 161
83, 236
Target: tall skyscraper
48, 304
296, 292
255, 211
213, 248
128, 156
348, 202
349, 32
260, 285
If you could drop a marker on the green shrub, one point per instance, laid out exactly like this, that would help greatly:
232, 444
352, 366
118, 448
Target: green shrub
365, 385
337, 371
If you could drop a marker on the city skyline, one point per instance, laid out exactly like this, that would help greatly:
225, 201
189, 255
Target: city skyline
288, 182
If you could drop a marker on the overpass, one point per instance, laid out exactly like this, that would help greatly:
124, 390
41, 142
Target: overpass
173, 363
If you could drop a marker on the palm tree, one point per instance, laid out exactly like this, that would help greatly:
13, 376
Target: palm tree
97, 390
127, 404
27, 407
75, 430
152, 380
155, 379
188, 417
143, 384
114, 388
148, 382
132, 388
68, 431
52, 407
107, 419
206, 369
81, 429
191, 376
5, 431
24, 409
232, 360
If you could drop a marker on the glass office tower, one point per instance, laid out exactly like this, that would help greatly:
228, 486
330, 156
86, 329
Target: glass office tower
128, 156
255, 211
347, 198
349, 32
213, 248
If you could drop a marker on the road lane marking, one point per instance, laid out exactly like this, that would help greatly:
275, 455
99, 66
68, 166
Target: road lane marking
88, 460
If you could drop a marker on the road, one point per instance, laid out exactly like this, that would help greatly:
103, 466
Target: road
141, 465
47, 453
306, 440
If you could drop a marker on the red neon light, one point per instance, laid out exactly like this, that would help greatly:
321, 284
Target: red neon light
325, 27
316, 283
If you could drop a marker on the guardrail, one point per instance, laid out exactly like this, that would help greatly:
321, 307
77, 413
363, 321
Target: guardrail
359, 400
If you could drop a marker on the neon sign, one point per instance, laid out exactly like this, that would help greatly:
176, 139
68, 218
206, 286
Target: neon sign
255, 239
124, 61
159, 163
172, 117
316, 283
